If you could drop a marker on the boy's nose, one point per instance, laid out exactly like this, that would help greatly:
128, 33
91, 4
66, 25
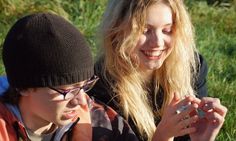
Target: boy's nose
80, 99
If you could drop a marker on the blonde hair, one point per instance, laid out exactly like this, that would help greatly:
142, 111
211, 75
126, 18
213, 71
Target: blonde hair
123, 22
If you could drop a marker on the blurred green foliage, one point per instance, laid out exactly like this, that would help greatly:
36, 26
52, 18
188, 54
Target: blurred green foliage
215, 25
221, 3
84, 14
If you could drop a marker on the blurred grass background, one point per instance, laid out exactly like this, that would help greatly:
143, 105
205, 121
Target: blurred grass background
215, 25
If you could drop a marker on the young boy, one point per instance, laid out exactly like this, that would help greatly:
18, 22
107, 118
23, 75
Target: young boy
49, 68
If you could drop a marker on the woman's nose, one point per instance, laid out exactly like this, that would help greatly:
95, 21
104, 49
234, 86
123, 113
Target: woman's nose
79, 99
157, 40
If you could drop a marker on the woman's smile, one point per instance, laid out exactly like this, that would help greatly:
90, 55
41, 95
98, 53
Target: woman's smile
152, 54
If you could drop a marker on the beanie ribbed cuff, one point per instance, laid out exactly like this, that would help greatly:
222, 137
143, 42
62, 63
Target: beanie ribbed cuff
52, 79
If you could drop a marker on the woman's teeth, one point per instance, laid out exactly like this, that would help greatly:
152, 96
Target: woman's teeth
153, 53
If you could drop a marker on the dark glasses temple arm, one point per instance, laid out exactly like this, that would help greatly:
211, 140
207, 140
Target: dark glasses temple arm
64, 93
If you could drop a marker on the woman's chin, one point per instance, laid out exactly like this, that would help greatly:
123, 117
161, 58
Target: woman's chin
151, 66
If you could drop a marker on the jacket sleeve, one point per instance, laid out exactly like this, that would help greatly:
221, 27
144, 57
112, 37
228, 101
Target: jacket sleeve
4, 135
8, 124
201, 83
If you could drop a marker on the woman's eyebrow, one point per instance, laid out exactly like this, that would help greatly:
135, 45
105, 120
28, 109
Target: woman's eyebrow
151, 25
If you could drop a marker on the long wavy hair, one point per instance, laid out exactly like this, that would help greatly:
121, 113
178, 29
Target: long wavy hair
123, 22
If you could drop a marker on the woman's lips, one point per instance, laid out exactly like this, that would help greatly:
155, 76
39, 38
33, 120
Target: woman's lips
153, 55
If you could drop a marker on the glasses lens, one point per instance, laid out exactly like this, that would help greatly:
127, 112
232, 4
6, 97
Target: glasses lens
89, 85
72, 93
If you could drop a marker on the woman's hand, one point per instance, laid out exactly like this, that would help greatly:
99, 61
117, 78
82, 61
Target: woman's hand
175, 124
209, 126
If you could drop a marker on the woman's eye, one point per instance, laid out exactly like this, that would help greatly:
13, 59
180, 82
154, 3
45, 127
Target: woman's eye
167, 31
146, 30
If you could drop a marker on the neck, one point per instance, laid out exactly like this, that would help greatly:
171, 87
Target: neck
147, 75
33, 122
44, 130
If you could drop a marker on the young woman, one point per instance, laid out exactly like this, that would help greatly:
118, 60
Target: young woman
150, 69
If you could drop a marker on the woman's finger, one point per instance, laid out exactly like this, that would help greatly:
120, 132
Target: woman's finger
187, 122
215, 118
209, 104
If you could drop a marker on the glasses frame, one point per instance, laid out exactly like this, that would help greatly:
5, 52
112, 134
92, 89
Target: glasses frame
92, 80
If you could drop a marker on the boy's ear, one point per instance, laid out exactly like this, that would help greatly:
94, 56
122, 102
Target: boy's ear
26, 92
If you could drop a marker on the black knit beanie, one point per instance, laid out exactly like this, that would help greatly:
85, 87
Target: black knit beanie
43, 50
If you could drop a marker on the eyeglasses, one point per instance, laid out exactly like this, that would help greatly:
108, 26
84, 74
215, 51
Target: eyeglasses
71, 93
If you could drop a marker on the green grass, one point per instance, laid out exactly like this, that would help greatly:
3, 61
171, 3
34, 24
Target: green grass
215, 36
216, 40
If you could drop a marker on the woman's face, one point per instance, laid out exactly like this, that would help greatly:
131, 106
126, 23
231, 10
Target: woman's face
48, 106
154, 44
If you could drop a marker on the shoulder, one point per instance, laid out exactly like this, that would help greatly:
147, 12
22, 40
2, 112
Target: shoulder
8, 123
100, 109
99, 65
203, 69
201, 79
6, 113
4, 110
102, 90
109, 125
